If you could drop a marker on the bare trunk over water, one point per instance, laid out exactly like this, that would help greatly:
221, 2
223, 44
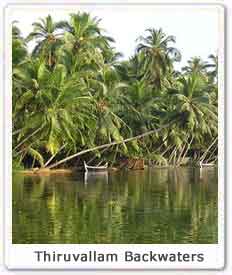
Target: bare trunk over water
109, 144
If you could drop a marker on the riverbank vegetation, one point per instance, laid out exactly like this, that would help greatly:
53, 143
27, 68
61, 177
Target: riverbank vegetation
76, 98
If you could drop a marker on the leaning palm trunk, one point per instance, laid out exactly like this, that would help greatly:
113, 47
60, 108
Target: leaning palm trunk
211, 155
28, 137
172, 156
167, 149
178, 161
186, 151
52, 157
109, 144
207, 150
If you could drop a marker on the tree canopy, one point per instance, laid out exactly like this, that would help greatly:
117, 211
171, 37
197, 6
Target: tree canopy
74, 92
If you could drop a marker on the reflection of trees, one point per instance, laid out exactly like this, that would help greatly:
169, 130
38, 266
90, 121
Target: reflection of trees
196, 201
151, 206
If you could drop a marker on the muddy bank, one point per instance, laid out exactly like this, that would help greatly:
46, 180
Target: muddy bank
46, 171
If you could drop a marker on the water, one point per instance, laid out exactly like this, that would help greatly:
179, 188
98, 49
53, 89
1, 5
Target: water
151, 206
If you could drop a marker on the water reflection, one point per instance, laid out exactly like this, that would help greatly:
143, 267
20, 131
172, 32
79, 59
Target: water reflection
93, 177
151, 206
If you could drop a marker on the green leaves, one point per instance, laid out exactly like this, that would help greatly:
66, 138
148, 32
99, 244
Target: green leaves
22, 102
74, 90
157, 55
43, 73
158, 159
36, 155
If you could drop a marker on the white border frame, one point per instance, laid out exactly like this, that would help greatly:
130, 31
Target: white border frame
21, 256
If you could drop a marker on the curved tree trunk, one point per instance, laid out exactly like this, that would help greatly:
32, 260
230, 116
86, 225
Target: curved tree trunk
109, 144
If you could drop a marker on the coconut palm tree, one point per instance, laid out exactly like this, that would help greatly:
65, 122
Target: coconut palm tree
47, 36
158, 55
74, 96
131, 70
141, 105
213, 66
108, 94
57, 114
195, 65
193, 108
19, 48
83, 32
19, 58
192, 101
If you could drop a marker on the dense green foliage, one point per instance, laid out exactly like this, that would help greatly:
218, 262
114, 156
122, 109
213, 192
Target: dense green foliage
74, 91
